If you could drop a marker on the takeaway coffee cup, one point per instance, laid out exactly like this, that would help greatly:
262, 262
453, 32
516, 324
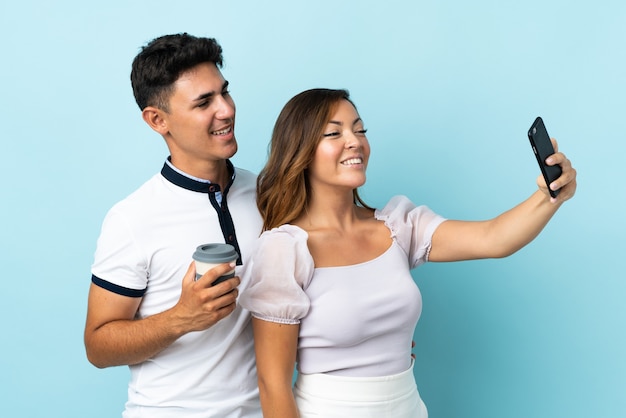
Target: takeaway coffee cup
208, 256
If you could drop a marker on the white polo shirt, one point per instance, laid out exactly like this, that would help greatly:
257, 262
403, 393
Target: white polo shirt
144, 250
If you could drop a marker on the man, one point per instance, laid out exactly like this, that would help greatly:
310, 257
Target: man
188, 344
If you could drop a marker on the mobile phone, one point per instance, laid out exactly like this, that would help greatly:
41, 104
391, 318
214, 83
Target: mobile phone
542, 147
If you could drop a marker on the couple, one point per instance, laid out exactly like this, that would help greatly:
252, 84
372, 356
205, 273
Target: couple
328, 282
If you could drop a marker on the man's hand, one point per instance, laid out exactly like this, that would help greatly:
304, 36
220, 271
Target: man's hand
202, 305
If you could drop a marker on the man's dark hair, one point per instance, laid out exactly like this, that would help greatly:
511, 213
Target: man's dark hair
159, 64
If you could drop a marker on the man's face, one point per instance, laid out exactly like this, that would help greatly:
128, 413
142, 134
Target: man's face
200, 124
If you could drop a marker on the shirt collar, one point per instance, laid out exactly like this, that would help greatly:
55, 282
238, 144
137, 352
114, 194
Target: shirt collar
195, 184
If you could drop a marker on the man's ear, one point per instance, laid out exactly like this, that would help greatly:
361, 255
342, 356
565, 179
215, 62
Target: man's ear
153, 116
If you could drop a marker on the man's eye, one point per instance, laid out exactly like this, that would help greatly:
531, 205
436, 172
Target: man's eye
226, 93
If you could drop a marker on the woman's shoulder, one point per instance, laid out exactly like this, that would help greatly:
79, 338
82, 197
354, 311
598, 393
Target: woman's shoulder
286, 232
400, 212
411, 225
397, 204
285, 238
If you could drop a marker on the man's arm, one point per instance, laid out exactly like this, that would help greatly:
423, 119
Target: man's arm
113, 336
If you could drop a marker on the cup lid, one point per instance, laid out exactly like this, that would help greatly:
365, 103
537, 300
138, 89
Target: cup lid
215, 253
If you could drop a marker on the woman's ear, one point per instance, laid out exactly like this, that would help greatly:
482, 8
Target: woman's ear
154, 118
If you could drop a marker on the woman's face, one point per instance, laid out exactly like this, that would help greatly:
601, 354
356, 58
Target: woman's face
341, 156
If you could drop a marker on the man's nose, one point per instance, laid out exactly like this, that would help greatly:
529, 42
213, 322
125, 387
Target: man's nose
226, 107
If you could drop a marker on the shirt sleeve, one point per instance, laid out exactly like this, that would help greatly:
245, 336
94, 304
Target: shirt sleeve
119, 265
277, 276
411, 226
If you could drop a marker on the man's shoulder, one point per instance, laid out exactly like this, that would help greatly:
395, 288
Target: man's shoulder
244, 174
245, 180
142, 195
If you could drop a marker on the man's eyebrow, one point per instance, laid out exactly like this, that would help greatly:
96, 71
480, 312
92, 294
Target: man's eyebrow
210, 94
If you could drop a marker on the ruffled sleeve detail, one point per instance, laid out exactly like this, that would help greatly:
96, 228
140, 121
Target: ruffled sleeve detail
411, 226
277, 275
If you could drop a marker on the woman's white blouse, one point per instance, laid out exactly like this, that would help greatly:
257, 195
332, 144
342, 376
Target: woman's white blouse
355, 320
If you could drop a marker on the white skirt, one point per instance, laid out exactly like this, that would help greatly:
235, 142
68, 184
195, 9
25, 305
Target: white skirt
395, 396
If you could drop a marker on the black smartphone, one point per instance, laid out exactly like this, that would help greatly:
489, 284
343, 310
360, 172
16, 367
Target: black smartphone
542, 147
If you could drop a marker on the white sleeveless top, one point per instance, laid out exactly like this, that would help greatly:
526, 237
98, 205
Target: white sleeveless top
355, 320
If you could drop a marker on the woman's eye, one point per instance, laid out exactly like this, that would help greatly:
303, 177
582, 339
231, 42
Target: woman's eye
361, 131
331, 134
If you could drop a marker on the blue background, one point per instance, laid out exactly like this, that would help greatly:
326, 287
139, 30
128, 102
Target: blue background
447, 90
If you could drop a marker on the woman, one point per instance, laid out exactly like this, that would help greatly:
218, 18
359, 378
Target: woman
330, 284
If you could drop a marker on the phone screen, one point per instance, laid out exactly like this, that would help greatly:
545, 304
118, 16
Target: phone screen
542, 147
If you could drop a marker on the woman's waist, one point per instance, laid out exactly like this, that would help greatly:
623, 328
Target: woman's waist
358, 388
364, 360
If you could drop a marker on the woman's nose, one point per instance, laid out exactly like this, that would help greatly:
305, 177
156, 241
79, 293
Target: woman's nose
352, 140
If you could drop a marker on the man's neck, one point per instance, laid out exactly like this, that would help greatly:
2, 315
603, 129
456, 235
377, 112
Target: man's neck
215, 172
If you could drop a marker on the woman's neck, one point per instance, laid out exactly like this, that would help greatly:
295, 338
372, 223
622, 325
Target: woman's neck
330, 211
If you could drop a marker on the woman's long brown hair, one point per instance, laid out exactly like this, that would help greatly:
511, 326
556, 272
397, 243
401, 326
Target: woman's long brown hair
282, 185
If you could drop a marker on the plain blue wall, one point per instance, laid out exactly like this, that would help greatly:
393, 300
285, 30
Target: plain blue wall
447, 90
